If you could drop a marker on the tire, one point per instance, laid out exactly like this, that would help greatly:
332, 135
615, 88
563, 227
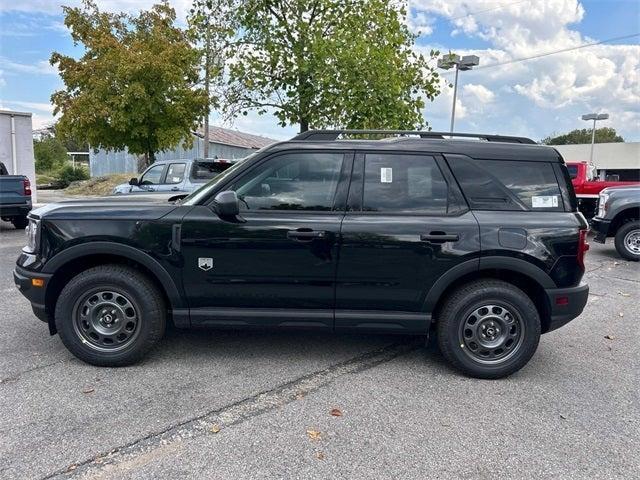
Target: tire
496, 317
627, 241
20, 222
110, 315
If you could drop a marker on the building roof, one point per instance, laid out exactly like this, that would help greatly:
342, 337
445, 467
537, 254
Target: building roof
226, 136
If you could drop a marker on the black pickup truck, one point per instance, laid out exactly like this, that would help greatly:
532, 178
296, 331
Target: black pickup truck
479, 241
15, 198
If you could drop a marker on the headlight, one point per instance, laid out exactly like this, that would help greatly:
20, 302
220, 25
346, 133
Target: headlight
602, 204
33, 236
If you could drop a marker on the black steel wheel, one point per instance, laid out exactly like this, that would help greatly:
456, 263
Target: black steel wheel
110, 315
488, 328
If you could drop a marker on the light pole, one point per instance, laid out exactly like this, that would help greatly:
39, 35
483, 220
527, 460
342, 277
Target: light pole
465, 63
595, 117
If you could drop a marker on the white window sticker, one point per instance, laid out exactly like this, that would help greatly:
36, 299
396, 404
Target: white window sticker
544, 201
386, 175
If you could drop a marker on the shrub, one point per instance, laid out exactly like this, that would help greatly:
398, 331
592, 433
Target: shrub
68, 174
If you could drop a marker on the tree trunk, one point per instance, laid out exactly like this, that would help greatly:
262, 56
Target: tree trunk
304, 125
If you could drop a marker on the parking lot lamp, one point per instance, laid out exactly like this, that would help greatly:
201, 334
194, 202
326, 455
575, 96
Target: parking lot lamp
595, 117
452, 60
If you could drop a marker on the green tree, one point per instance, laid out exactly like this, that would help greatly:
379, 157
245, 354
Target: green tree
134, 85
49, 152
327, 63
583, 135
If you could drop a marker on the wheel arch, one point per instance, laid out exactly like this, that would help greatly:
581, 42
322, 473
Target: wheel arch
78, 258
630, 213
529, 278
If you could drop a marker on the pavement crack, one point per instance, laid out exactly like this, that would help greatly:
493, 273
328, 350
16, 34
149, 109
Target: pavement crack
237, 412
17, 376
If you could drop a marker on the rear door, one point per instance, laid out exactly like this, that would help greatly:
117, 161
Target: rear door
173, 178
406, 226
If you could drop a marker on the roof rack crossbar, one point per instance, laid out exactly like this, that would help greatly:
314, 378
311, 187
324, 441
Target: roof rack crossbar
329, 135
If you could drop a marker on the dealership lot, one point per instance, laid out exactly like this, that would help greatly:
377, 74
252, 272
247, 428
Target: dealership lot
237, 405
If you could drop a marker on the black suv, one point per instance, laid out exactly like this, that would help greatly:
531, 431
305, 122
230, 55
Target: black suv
478, 239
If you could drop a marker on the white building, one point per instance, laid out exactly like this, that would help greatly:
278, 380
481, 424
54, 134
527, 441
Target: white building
16, 146
621, 159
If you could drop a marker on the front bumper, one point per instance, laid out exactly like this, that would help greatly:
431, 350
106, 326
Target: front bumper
23, 279
566, 304
601, 227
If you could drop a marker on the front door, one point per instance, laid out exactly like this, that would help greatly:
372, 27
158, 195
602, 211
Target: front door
406, 225
275, 265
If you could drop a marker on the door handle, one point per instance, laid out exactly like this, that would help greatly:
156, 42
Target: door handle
305, 235
439, 237
175, 189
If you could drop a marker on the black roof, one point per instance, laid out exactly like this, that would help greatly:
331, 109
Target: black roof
498, 148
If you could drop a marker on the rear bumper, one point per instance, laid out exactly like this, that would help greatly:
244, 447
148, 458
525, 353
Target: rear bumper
15, 209
23, 279
566, 304
601, 227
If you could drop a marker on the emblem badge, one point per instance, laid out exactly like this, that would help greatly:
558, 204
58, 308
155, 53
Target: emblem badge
205, 263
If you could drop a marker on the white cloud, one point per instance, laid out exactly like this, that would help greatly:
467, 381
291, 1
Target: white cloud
41, 67
37, 106
538, 96
52, 7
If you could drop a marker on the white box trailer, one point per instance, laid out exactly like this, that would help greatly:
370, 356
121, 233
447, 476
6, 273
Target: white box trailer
16, 146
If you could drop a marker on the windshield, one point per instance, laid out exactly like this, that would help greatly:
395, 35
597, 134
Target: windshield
194, 197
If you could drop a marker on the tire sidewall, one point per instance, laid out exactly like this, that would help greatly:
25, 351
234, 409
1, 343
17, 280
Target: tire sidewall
517, 304
145, 306
620, 245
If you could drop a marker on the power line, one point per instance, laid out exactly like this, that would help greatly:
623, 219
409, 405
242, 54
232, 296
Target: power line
554, 52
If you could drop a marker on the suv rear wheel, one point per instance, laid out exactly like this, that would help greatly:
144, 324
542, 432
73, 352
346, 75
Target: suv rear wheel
488, 329
628, 241
110, 315
20, 223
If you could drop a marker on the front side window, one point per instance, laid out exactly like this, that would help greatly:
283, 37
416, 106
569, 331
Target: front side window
293, 181
152, 176
404, 183
175, 173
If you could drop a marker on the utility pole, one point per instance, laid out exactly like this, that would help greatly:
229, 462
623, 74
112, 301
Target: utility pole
465, 63
595, 117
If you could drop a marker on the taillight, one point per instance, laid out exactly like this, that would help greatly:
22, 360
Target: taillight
583, 246
26, 185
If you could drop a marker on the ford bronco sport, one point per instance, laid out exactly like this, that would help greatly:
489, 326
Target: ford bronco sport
478, 240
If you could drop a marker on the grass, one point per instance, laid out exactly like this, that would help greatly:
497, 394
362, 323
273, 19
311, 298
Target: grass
97, 185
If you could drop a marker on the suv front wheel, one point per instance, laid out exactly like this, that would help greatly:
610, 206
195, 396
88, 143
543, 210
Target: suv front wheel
488, 329
110, 315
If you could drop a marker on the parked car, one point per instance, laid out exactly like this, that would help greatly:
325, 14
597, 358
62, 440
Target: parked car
179, 176
15, 198
480, 241
588, 186
619, 216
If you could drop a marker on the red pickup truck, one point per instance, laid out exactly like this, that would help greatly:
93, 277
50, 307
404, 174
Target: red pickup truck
588, 186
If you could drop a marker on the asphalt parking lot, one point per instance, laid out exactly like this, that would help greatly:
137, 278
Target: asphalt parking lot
245, 405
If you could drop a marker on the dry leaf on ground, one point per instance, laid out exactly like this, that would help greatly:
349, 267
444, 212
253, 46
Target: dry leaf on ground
335, 412
314, 434
609, 337
320, 456
88, 390
624, 294
215, 428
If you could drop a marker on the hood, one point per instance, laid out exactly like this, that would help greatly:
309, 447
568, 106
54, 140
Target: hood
139, 207
623, 189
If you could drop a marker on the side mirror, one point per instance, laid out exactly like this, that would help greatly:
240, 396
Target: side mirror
133, 182
227, 204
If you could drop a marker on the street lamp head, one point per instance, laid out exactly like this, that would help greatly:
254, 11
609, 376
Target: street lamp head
469, 61
448, 61
595, 116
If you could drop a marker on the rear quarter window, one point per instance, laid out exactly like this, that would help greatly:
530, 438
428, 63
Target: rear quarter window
508, 184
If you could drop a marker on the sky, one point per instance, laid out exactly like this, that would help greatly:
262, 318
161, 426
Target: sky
506, 95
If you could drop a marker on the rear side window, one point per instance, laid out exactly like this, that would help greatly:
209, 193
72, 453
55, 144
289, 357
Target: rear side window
404, 183
508, 185
203, 171
573, 171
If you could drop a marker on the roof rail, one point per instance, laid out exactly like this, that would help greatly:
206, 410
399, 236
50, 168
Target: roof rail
328, 135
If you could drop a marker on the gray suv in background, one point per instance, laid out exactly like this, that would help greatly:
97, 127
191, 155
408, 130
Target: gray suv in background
619, 216
179, 176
